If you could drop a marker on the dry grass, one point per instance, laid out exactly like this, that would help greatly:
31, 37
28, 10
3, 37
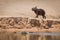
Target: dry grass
16, 24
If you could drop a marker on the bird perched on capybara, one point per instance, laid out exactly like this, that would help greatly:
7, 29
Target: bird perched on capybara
39, 12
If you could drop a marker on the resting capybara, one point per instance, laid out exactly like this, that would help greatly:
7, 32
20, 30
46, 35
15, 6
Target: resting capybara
39, 12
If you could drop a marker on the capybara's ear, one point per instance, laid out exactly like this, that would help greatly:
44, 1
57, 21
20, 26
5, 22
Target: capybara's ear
35, 6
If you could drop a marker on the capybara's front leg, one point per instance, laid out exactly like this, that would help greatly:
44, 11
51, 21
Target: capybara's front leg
36, 16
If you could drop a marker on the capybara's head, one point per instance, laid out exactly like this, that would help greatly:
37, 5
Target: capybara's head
34, 8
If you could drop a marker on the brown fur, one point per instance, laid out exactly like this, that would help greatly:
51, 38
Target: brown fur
39, 12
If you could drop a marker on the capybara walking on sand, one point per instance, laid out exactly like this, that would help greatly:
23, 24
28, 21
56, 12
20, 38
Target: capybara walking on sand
39, 12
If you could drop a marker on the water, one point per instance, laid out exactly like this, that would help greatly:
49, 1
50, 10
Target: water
29, 36
45, 33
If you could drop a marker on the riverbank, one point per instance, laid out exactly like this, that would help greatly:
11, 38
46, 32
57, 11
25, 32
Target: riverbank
51, 30
26, 24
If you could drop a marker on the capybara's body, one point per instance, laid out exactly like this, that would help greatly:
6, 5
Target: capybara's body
39, 12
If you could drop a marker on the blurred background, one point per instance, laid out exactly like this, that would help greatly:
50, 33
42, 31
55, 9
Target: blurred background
23, 7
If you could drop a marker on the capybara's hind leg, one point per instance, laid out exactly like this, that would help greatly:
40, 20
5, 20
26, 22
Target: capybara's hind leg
44, 17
